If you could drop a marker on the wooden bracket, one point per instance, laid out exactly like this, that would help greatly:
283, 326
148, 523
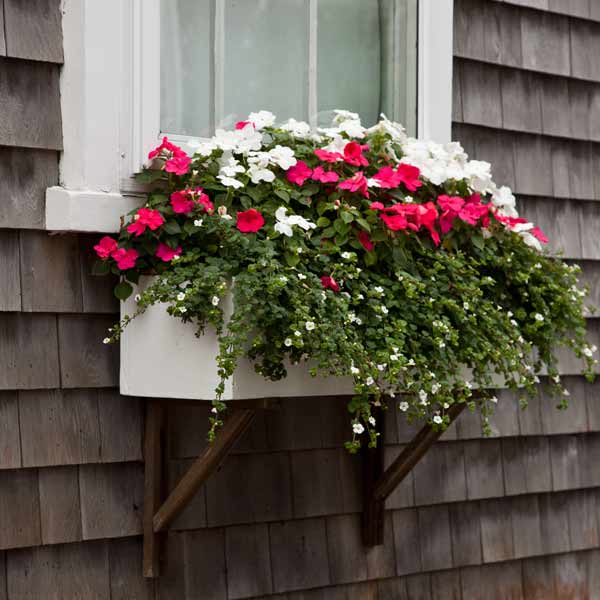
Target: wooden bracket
379, 484
158, 516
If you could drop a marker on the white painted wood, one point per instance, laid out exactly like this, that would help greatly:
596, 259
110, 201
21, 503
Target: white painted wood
162, 357
73, 210
435, 69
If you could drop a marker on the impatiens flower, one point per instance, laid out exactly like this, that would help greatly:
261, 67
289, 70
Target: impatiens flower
330, 283
298, 129
537, 233
145, 217
178, 165
284, 223
182, 202
125, 259
320, 174
409, 176
353, 154
262, 119
242, 124
357, 183
166, 253
327, 156
105, 247
167, 147
230, 182
250, 221
282, 156
395, 222
299, 173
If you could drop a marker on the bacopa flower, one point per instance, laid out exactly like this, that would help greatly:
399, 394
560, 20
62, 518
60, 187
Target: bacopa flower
145, 217
125, 259
105, 247
330, 283
299, 173
250, 221
166, 253
358, 428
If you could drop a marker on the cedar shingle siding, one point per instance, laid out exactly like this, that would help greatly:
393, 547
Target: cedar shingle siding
513, 516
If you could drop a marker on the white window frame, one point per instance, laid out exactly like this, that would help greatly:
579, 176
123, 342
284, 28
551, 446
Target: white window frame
110, 96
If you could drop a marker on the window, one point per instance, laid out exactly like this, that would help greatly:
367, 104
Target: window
137, 69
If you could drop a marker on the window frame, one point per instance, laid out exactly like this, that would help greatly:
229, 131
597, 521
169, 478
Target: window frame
110, 96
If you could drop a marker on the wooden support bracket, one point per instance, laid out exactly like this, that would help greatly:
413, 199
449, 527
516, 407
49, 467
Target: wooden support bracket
387, 481
157, 517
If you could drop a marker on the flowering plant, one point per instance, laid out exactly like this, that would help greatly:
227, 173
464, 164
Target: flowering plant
367, 253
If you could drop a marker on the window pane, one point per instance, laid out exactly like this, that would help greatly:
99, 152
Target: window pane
186, 66
266, 58
367, 59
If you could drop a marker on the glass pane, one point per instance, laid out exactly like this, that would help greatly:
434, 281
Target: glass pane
186, 66
266, 58
367, 59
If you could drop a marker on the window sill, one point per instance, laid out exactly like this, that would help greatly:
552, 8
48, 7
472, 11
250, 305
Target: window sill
86, 210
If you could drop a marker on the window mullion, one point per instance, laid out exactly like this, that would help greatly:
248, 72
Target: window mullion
312, 62
219, 64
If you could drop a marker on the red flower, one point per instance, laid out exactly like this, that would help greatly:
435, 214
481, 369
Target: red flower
409, 176
353, 154
358, 183
146, 217
327, 156
395, 222
536, 232
166, 253
242, 124
330, 283
249, 221
178, 164
299, 173
167, 146
204, 201
377, 206
125, 259
105, 247
182, 202
365, 240
320, 174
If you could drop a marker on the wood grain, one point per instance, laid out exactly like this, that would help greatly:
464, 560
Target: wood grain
10, 444
10, 281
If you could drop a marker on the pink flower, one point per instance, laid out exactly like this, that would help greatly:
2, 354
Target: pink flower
377, 206
299, 173
204, 201
357, 183
387, 178
242, 124
426, 216
105, 247
182, 202
249, 221
178, 164
536, 232
395, 222
320, 174
510, 222
353, 154
125, 259
409, 176
146, 217
451, 207
166, 253
166, 146
327, 156
330, 283
365, 240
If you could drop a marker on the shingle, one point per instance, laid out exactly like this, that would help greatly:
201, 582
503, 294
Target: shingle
19, 509
30, 100
561, 222
299, 555
481, 94
392, 589
579, 108
496, 531
527, 528
590, 277
60, 510
10, 282
465, 528
570, 575
297, 426
592, 397
250, 488
483, 463
505, 420
84, 360
59, 428
347, 556
248, 561
188, 428
10, 444
585, 47
498, 148
575, 8
407, 541
33, 30
205, 566
436, 545
97, 290
583, 520
533, 165
126, 580
538, 578
440, 475
493, 582
566, 462
526, 463
24, 176
457, 107
2, 53
418, 587
560, 154
28, 351
590, 224
545, 41
111, 500
468, 29
511, 43
381, 560
554, 521
573, 419
555, 106
530, 418
581, 171
446, 586
521, 100
174, 576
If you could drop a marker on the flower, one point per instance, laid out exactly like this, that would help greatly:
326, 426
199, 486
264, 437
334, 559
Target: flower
407, 174
309, 325
365, 240
330, 283
250, 221
145, 217
198, 222
538, 317
242, 124
357, 183
230, 182
178, 165
288, 342
370, 381
299, 173
165, 147
354, 370
105, 247
166, 253
320, 174
372, 421
403, 406
284, 223
353, 154
327, 156
125, 259
358, 428
261, 119
438, 420
282, 156
423, 397
215, 300
106, 341
298, 129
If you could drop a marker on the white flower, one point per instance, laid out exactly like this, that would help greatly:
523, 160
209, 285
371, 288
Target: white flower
182, 309
384, 310
394, 357
468, 385
258, 174
215, 300
298, 129
284, 223
282, 156
347, 255
309, 325
466, 305
479, 174
360, 297
370, 381
283, 279
352, 128
230, 166
230, 182
358, 428
381, 367
137, 298
435, 388
504, 200
181, 296
298, 333
403, 406
588, 352
358, 321
531, 241
354, 370
198, 222
203, 148
438, 420
423, 396
566, 392
379, 290
442, 344
288, 342
446, 406
411, 363
214, 411
494, 399
106, 341
301, 276
372, 421
344, 115
538, 317
261, 119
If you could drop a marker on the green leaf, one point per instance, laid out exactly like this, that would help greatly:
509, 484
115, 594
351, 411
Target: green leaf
310, 190
172, 227
364, 224
291, 259
123, 290
347, 216
478, 241
101, 267
149, 176
323, 222
370, 258
283, 195
340, 226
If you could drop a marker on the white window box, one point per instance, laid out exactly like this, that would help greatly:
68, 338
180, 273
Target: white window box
161, 357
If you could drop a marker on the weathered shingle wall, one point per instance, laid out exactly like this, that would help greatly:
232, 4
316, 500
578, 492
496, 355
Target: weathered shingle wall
513, 516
